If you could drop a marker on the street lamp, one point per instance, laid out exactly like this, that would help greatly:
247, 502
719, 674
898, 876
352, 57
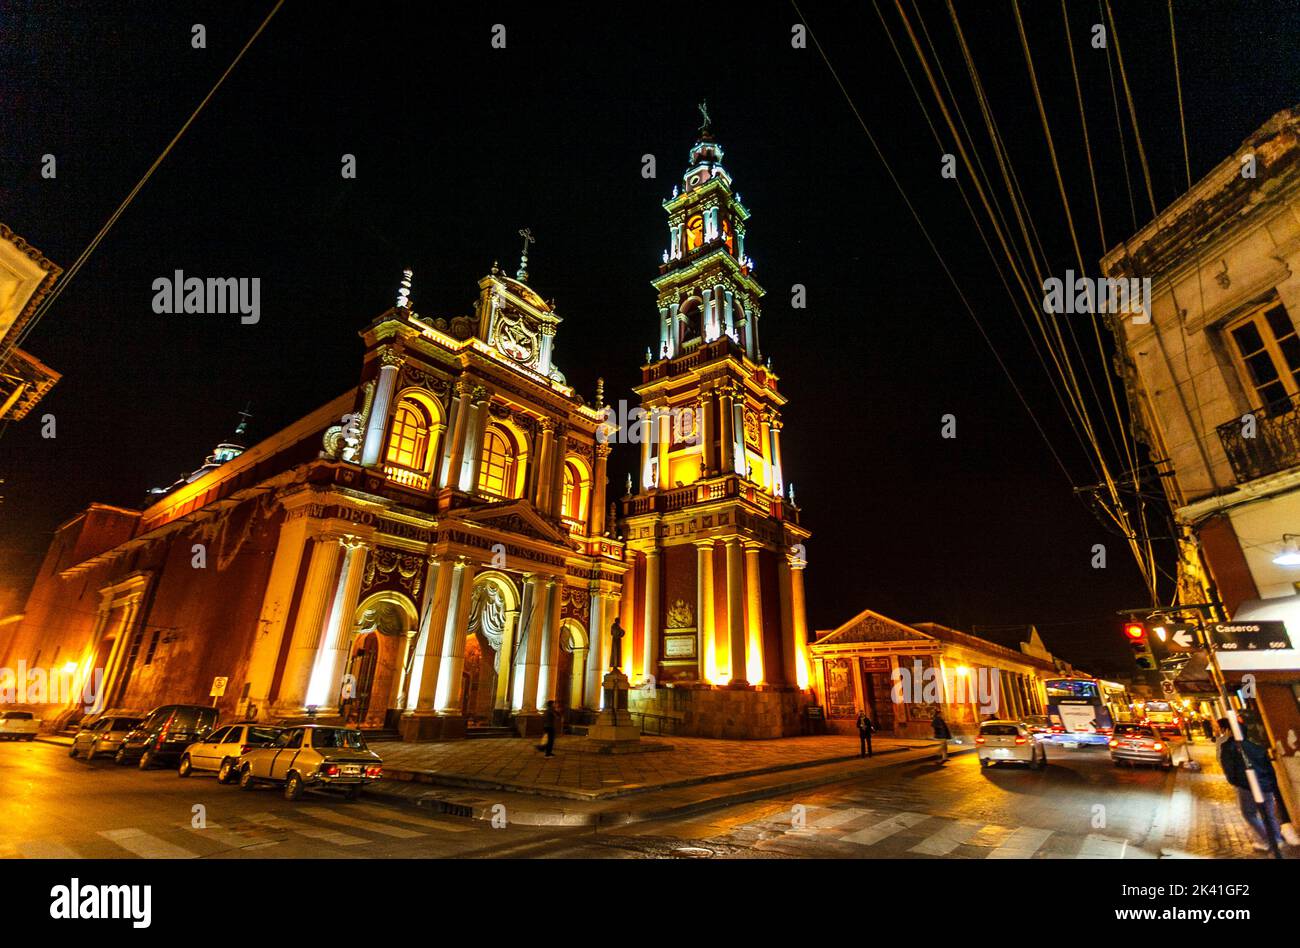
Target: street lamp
1290, 555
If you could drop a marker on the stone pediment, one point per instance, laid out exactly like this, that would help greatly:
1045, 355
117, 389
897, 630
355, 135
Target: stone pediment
871, 627
517, 517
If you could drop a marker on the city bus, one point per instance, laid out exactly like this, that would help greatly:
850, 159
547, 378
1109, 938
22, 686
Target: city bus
1084, 710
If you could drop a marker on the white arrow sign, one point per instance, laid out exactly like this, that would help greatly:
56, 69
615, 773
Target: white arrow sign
1183, 639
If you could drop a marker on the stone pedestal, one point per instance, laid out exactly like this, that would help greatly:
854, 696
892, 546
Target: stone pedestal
528, 725
420, 726
453, 727
614, 724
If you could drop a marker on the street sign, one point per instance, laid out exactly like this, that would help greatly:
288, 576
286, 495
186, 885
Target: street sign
218, 687
1175, 662
1183, 640
1167, 687
1250, 636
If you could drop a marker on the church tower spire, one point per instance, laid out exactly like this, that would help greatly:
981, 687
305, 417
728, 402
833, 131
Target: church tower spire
715, 597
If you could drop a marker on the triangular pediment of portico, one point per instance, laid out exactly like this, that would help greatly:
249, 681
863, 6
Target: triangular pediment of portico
872, 627
515, 517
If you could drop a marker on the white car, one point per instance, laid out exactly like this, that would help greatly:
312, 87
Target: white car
1001, 741
221, 750
103, 735
18, 726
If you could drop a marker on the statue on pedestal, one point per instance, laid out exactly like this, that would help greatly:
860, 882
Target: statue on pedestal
616, 634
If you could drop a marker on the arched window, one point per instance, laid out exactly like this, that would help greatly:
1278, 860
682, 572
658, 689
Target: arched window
695, 232
408, 445
497, 468
727, 237
569, 505
690, 321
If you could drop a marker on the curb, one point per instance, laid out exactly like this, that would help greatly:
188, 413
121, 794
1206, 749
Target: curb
477, 808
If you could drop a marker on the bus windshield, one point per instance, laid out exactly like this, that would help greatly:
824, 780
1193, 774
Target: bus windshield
1078, 689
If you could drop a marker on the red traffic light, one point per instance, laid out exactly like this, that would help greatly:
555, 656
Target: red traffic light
1135, 631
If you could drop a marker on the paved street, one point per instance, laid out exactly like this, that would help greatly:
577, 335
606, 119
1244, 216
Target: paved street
52, 806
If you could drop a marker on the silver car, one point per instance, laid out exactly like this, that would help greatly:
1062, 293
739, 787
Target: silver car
312, 755
102, 736
221, 750
1002, 741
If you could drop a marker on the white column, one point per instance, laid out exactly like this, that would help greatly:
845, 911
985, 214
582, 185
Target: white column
317, 595
778, 477
727, 438
276, 601
473, 453
704, 634
459, 434
597, 650
327, 674
389, 364
650, 641
548, 674
754, 614
428, 647
453, 643
736, 610
535, 600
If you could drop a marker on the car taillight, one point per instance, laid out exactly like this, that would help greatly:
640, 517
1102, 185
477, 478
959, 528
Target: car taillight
330, 770
1114, 743
374, 770
979, 740
1021, 740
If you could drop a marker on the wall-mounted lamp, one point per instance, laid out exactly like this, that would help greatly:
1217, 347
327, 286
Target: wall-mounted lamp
1290, 555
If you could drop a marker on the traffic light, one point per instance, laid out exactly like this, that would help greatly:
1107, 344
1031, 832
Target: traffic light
1136, 633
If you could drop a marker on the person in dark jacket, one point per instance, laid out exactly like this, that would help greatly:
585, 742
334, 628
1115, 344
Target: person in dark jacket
1234, 770
1208, 727
942, 734
549, 720
865, 729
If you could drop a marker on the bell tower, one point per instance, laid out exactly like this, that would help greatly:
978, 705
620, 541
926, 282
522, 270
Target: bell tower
715, 600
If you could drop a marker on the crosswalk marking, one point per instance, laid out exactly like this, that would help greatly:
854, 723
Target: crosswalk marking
46, 849
1096, 846
321, 813
146, 846
401, 817
306, 829
884, 829
1021, 844
832, 819
231, 838
948, 838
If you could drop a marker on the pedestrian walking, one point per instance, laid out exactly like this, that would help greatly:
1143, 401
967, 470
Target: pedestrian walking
865, 730
1208, 727
1267, 829
549, 715
942, 734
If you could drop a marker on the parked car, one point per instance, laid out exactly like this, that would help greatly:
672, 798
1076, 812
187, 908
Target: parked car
103, 735
18, 726
1000, 741
313, 755
221, 750
1140, 743
165, 732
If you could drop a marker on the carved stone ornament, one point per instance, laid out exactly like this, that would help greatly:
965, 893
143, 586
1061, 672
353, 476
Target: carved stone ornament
681, 615
408, 567
342, 442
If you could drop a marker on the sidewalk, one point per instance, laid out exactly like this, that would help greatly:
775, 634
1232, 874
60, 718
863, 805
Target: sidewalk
580, 788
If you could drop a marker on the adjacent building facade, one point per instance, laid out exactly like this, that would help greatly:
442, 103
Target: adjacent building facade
1213, 382
901, 674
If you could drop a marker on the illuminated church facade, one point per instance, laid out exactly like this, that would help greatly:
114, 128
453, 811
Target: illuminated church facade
434, 550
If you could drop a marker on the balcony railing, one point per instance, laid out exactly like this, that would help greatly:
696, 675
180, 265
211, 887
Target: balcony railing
406, 477
1275, 444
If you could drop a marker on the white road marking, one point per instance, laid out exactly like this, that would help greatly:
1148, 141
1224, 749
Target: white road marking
324, 813
947, 838
1096, 846
146, 846
1021, 844
232, 839
306, 829
46, 849
884, 829
838, 817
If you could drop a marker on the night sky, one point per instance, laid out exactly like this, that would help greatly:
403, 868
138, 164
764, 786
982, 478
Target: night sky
458, 145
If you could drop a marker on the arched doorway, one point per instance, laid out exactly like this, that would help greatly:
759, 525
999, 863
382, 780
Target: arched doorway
493, 616
572, 670
383, 635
